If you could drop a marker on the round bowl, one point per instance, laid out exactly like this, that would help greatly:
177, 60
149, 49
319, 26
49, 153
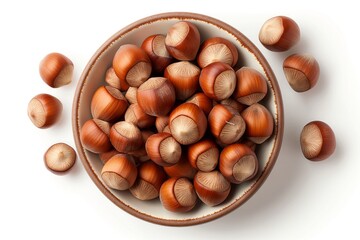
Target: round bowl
93, 75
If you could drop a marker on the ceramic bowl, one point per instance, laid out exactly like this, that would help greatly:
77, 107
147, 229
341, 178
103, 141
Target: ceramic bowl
93, 75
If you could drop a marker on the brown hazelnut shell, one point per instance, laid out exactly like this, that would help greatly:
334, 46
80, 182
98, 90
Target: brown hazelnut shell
125, 137
251, 86
217, 49
149, 180
279, 33
178, 195
163, 149
136, 115
317, 141
301, 71
113, 80
185, 78
187, 45
131, 95
238, 163
211, 187
238, 107
156, 96
182, 168
202, 101
161, 122
187, 123
226, 124
59, 158
108, 104
94, 135
56, 70
259, 123
132, 64
105, 156
155, 48
204, 155
119, 172
44, 110
218, 80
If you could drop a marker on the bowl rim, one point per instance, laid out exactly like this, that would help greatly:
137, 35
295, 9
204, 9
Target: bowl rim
278, 128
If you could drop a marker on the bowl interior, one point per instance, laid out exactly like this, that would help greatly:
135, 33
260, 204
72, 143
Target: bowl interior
93, 77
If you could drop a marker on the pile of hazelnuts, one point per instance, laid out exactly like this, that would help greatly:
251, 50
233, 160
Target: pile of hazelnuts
175, 119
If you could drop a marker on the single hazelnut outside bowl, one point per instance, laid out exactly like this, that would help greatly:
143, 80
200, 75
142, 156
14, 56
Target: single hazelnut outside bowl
136, 33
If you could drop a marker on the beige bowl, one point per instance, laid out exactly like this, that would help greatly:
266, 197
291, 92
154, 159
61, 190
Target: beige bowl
93, 76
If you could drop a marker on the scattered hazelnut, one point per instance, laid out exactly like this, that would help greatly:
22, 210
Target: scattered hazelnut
302, 71
317, 141
56, 70
279, 34
44, 110
60, 157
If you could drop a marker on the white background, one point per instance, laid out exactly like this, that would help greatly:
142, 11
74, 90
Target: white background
299, 200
